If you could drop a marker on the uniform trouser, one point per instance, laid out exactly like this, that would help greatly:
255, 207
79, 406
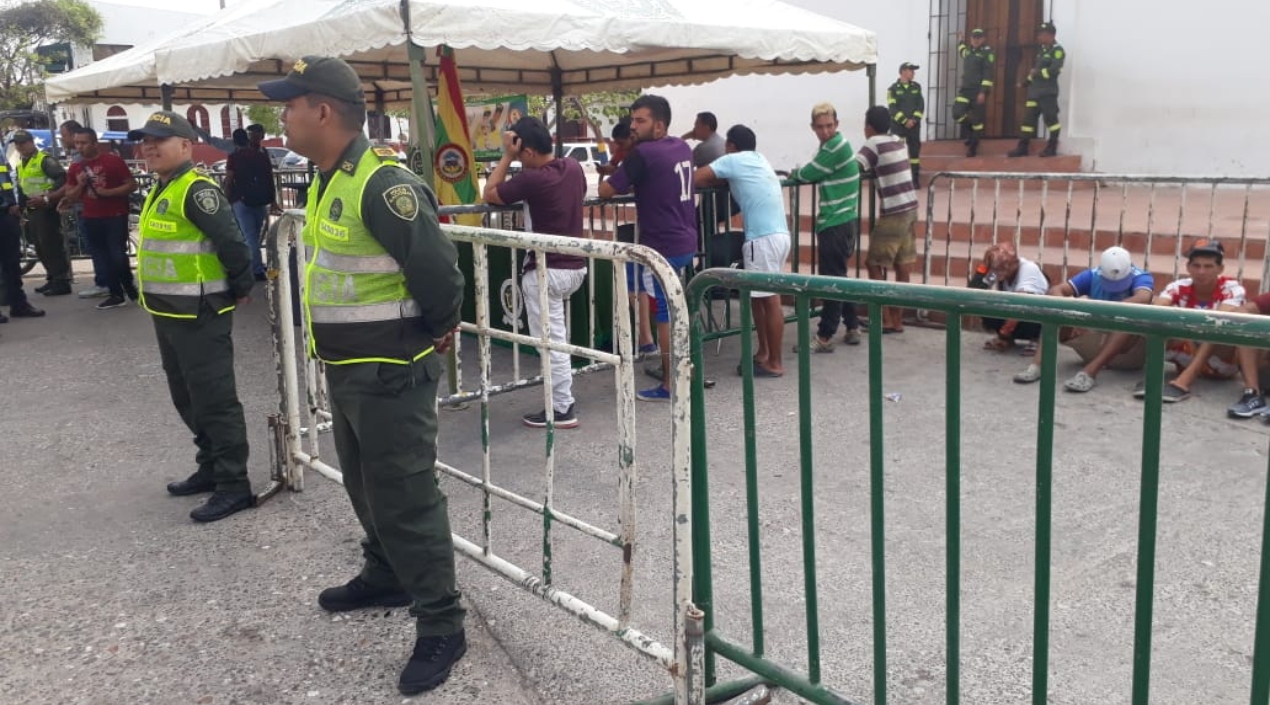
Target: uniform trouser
44, 229
384, 419
1045, 107
198, 358
968, 111
11, 259
913, 137
561, 283
108, 238
834, 246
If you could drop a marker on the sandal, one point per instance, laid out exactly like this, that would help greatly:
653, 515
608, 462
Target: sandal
1173, 393
1081, 382
997, 344
1031, 374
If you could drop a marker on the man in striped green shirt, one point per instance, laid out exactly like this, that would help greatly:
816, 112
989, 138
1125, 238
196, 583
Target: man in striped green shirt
837, 175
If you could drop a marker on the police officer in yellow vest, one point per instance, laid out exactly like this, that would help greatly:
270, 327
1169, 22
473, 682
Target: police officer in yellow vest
41, 181
382, 297
193, 267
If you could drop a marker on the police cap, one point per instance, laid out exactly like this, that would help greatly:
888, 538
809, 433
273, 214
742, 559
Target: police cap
977, 33
908, 65
21, 136
1046, 28
317, 74
164, 123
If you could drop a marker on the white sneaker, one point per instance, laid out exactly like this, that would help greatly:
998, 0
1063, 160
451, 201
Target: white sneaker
94, 292
1031, 374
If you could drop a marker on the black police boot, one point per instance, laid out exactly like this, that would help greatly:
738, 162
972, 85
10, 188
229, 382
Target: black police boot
25, 311
431, 662
357, 593
1021, 150
44, 288
1051, 148
200, 481
56, 289
973, 150
917, 177
223, 504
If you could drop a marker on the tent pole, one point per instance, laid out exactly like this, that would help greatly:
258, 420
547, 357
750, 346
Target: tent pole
166, 90
420, 101
379, 115
872, 71
557, 98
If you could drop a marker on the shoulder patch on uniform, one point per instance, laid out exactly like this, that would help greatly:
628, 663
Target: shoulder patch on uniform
348, 167
162, 207
402, 201
386, 152
207, 201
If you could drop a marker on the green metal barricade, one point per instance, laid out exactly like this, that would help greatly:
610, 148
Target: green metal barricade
1156, 324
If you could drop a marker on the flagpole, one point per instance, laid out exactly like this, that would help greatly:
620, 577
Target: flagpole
420, 100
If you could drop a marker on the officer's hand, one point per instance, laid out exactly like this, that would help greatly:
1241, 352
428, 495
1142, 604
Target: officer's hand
14, 211
981, 99
244, 301
442, 345
910, 123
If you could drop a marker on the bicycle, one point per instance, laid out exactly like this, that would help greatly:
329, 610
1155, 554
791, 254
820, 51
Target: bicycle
75, 246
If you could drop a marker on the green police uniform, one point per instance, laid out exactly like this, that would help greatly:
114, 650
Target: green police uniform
1042, 96
906, 103
40, 175
192, 266
382, 282
978, 67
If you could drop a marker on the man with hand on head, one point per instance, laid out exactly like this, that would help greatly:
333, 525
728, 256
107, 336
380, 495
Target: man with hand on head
193, 267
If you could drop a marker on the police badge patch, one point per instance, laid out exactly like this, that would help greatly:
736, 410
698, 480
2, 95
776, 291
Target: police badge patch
207, 201
162, 207
402, 201
337, 209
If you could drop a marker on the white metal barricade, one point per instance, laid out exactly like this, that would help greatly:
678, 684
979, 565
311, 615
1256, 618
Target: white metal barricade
297, 444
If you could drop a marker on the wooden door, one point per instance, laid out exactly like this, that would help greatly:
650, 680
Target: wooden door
1010, 26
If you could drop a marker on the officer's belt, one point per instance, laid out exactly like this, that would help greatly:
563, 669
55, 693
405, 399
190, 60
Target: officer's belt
364, 313
356, 264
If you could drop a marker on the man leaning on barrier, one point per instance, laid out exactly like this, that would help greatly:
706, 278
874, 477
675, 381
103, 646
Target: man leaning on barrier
553, 189
1115, 279
382, 301
1252, 402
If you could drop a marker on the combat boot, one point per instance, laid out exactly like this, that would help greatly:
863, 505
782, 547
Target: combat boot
1021, 150
1051, 148
973, 150
201, 481
357, 593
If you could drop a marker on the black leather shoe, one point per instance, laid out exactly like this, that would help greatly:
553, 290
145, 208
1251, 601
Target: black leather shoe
56, 290
357, 593
222, 504
194, 484
44, 288
430, 664
25, 311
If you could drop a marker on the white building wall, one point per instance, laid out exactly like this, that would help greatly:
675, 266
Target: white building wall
778, 108
1147, 88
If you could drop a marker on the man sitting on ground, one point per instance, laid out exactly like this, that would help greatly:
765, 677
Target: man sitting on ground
756, 187
1204, 289
1115, 279
1004, 270
1252, 402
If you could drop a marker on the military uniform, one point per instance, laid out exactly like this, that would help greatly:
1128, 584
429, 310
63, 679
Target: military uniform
1042, 96
193, 266
383, 288
11, 250
978, 67
906, 103
38, 176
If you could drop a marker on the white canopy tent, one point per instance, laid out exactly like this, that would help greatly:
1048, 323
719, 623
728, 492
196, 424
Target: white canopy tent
548, 47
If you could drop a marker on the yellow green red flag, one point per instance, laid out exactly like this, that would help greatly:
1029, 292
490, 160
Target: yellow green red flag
453, 162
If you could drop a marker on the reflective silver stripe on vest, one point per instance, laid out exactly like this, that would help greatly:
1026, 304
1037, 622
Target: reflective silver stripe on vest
170, 289
179, 247
357, 264
367, 313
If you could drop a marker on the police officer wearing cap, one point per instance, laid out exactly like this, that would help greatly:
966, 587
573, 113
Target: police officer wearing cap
907, 105
41, 183
382, 297
193, 267
11, 249
1042, 92
977, 69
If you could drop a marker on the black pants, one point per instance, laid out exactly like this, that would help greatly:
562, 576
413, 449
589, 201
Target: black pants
1045, 107
11, 259
44, 230
198, 358
913, 138
970, 113
834, 246
108, 238
1025, 330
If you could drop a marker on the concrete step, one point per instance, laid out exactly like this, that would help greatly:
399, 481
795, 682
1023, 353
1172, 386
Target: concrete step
987, 148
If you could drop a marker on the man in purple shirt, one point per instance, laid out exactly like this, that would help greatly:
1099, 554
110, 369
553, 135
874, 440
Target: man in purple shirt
659, 169
552, 190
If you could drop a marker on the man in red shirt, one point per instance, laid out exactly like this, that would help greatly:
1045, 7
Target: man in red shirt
102, 182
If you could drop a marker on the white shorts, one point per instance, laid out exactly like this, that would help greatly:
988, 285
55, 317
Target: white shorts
765, 254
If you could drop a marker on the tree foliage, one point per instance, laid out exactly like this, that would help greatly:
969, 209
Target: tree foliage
592, 108
268, 116
25, 27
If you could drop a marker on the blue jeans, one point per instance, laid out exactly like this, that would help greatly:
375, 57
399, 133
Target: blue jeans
252, 220
81, 230
108, 239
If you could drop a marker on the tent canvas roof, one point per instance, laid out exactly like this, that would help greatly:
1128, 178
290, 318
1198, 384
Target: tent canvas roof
501, 46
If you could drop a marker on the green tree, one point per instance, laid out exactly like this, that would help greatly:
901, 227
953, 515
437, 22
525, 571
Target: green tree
26, 27
591, 108
268, 116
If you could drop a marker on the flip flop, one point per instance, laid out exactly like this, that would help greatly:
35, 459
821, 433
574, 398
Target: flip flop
760, 371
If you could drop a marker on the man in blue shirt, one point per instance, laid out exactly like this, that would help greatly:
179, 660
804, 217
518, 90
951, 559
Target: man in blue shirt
1115, 279
757, 190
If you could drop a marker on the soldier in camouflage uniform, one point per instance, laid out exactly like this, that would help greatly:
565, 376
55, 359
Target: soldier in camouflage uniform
1042, 92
